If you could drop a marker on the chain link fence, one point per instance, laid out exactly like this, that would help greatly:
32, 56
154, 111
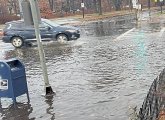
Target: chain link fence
154, 103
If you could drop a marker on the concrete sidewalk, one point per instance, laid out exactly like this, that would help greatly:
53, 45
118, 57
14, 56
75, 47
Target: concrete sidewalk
2, 26
79, 20
64, 21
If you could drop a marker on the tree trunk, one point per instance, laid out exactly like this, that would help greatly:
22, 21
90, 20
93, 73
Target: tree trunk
15, 7
130, 5
51, 4
117, 4
100, 8
95, 5
109, 4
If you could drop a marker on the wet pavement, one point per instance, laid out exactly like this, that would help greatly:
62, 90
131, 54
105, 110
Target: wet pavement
101, 76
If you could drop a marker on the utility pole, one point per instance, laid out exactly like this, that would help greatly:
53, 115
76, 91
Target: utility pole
27, 14
35, 16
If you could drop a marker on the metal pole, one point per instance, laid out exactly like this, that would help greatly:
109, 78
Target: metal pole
161, 7
40, 47
83, 7
136, 12
161, 4
130, 5
149, 5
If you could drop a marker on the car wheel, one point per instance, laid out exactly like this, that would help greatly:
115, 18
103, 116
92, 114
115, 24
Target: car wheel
17, 42
62, 38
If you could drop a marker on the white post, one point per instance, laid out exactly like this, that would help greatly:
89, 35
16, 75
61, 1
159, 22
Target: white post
36, 21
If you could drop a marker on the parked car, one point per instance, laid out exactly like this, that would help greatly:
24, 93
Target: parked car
18, 34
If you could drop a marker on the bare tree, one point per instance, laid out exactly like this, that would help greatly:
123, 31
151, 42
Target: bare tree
100, 7
109, 4
95, 5
117, 4
13, 6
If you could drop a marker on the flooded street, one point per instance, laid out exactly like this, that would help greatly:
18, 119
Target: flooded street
101, 76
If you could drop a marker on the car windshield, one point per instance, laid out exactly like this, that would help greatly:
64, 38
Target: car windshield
51, 23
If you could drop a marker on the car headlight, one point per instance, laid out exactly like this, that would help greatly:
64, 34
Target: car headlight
72, 31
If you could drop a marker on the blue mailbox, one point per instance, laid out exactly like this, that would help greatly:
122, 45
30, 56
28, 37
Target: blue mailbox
12, 79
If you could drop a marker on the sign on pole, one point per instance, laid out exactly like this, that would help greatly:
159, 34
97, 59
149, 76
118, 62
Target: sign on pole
82, 5
134, 2
139, 6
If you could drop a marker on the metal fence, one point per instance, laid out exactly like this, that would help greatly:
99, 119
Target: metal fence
154, 103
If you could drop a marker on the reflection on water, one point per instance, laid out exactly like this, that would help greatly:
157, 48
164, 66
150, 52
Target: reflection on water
114, 26
19, 112
49, 110
140, 52
95, 77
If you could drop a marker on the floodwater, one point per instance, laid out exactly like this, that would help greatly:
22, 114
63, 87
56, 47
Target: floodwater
104, 75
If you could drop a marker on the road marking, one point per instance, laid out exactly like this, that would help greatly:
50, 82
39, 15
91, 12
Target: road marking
122, 35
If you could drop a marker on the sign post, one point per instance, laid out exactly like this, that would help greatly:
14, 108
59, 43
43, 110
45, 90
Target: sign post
82, 6
149, 5
35, 15
161, 2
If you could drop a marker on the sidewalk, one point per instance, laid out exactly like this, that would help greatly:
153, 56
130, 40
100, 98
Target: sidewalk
79, 20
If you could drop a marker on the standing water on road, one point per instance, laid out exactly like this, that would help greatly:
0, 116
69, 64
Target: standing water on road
101, 76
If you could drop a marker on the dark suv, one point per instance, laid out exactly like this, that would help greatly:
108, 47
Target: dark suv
18, 34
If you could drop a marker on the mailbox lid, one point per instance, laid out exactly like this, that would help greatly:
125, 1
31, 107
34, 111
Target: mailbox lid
16, 67
11, 69
5, 72
14, 64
